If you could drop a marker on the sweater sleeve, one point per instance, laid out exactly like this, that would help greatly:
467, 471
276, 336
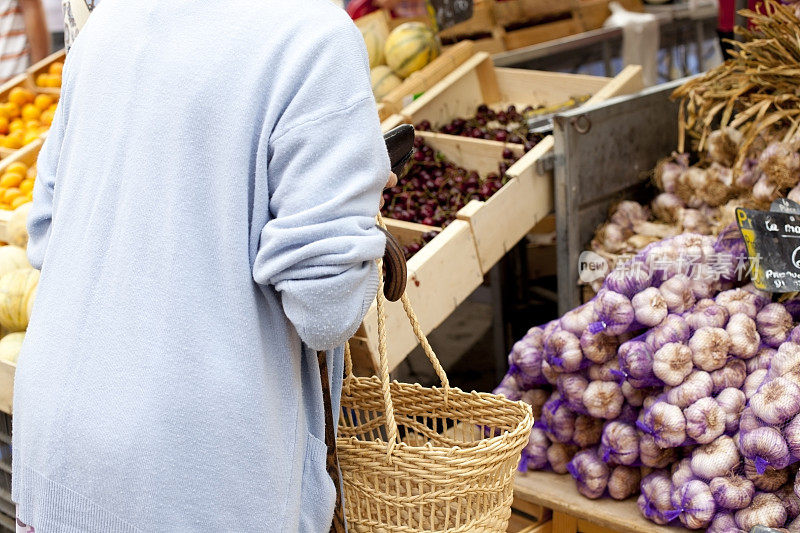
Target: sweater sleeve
326, 172
40, 216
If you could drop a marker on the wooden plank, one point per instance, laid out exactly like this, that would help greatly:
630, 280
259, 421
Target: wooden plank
587, 527
547, 527
490, 45
558, 492
40, 67
408, 232
531, 509
564, 523
440, 277
472, 154
482, 21
7, 371
628, 81
392, 122
536, 87
516, 11
541, 33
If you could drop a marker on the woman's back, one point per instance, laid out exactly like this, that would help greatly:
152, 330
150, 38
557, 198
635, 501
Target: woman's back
211, 207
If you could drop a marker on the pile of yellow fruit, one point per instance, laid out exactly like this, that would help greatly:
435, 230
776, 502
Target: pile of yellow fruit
25, 117
51, 78
16, 185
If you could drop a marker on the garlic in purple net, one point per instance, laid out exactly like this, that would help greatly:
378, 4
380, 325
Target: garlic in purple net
709, 347
765, 510
628, 281
774, 324
707, 314
723, 146
549, 373
715, 459
603, 399
577, 320
590, 473
572, 387
677, 293
776, 401
536, 398
697, 385
791, 434
666, 423
724, 522
652, 455
650, 307
608, 371
696, 504
619, 444
786, 363
614, 312
794, 525
745, 340
534, 455
636, 360
753, 382
672, 363
633, 396
732, 375
761, 360
682, 472
598, 347
738, 301
509, 387
789, 500
623, 482
563, 352
559, 420
672, 329
764, 446
732, 492
749, 421
705, 420
732, 401
559, 455
588, 431
655, 501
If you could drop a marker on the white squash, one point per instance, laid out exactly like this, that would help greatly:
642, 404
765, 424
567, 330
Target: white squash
16, 290
10, 346
17, 227
12, 258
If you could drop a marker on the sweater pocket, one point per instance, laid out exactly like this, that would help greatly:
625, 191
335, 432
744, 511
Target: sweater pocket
319, 493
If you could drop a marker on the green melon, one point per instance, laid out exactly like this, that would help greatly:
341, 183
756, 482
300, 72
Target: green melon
410, 47
384, 81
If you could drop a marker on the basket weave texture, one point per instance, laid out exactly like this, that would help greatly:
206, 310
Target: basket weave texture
417, 459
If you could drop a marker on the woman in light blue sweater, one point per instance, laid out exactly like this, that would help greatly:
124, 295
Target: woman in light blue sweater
204, 221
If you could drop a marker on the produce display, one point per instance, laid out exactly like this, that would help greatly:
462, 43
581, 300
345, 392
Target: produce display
51, 78
18, 283
24, 117
407, 49
16, 185
434, 189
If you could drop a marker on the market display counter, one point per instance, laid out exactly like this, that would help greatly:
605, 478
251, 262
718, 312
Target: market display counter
572, 513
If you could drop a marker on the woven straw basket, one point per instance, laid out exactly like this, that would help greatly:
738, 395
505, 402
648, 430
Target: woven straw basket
416, 459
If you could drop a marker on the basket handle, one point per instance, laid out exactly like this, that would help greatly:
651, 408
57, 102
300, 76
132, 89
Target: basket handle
383, 361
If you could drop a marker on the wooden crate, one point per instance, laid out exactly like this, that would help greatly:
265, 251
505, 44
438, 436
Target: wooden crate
508, 12
502, 221
21, 80
482, 22
540, 33
572, 513
42, 66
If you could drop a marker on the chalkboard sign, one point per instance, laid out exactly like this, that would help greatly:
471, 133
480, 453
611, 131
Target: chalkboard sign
448, 13
772, 239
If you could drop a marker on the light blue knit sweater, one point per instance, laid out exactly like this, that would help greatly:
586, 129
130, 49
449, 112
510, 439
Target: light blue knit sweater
203, 219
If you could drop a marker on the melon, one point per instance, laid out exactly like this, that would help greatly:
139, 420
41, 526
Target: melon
17, 289
384, 81
12, 258
375, 43
17, 227
410, 47
10, 346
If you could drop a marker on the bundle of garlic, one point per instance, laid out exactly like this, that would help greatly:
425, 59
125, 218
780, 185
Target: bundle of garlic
666, 371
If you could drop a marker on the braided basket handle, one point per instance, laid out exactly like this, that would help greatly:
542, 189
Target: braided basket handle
383, 361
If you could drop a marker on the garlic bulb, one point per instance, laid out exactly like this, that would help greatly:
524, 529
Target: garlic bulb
790, 501
794, 525
619, 444
771, 480
636, 360
697, 385
774, 324
732, 375
559, 455
650, 307
765, 445
723, 146
623, 482
672, 329
577, 320
608, 371
776, 401
672, 363
694, 221
677, 293
549, 373
591, 474
536, 398
709, 347
614, 312
738, 301
598, 347
627, 213
715, 459
732, 492
525, 361
510, 388
749, 421
791, 434
705, 420
666, 423
655, 500
633, 396
572, 387
534, 455
765, 510
628, 281
745, 340
706, 313
667, 207
761, 360
696, 503
786, 363
780, 163
724, 522
603, 399
558, 419
563, 351
611, 238
732, 401
764, 192
652, 455
588, 431
682, 472
753, 382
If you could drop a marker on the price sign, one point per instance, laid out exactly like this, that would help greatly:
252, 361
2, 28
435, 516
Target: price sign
772, 239
448, 13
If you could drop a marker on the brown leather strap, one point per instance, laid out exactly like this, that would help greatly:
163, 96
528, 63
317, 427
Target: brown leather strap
394, 262
332, 460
